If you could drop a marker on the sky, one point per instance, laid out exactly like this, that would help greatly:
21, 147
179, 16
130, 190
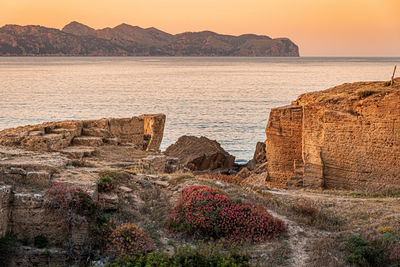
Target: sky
318, 27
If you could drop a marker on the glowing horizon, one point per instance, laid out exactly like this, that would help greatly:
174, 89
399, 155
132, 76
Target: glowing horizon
318, 27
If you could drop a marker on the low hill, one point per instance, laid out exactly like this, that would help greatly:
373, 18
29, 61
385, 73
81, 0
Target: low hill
77, 39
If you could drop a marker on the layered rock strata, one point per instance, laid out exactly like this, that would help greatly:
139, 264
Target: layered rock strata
33, 158
346, 137
145, 132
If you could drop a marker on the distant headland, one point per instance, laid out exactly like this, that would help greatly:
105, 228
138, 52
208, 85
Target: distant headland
76, 39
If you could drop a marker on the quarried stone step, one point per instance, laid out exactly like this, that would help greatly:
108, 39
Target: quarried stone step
96, 132
112, 141
63, 131
77, 152
87, 141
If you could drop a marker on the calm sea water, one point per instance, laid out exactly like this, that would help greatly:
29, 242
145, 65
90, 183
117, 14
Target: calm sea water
226, 99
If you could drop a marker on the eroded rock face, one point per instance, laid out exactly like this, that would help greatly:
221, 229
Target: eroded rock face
283, 144
200, 154
346, 137
145, 131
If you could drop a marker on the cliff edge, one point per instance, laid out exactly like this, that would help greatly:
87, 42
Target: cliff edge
346, 137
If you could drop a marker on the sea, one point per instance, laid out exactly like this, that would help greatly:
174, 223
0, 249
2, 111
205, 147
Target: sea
227, 99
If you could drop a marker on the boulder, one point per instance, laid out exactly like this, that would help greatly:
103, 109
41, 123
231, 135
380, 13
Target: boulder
200, 154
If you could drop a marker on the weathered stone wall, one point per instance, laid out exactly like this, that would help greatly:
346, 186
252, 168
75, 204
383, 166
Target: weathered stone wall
5, 209
55, 136
28, 256
283, 144
29, 218
347, 137
358, 150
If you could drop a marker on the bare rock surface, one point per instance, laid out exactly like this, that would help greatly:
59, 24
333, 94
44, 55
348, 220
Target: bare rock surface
145, 132
200, 153
345, 137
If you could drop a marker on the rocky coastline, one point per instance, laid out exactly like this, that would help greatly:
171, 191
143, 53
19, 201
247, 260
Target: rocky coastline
346, 138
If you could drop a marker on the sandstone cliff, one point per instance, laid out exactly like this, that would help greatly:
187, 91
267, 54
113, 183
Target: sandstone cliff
346, 137
76, 39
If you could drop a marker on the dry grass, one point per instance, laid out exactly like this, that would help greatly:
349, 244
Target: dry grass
325, 252
180, 179
232, 179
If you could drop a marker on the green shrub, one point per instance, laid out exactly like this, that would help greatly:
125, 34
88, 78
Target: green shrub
363, 253
40, 241
200, 256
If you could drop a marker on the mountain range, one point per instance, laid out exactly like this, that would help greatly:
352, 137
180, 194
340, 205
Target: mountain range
77, 39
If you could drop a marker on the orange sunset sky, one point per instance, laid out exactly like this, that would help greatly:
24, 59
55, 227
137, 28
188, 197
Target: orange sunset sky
319, 27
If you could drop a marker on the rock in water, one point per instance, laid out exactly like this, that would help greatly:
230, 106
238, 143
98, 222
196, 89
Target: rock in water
200, 154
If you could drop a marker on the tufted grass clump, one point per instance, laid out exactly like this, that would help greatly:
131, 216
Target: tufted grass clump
366, 93
311, 215
210, 213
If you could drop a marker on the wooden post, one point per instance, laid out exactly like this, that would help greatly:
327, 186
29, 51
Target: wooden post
394, 72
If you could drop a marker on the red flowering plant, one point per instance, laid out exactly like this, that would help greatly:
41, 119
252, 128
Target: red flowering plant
69, 201
211, 213
106, 184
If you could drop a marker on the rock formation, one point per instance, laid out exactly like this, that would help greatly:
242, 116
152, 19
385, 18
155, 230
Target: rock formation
144, 132
76, 39
200, 154
32, 158
346, 137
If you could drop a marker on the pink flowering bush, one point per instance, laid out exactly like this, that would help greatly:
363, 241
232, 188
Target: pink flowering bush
211, 213
69, 201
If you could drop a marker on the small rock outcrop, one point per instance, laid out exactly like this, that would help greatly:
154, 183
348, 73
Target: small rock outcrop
200, 154
145, 132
